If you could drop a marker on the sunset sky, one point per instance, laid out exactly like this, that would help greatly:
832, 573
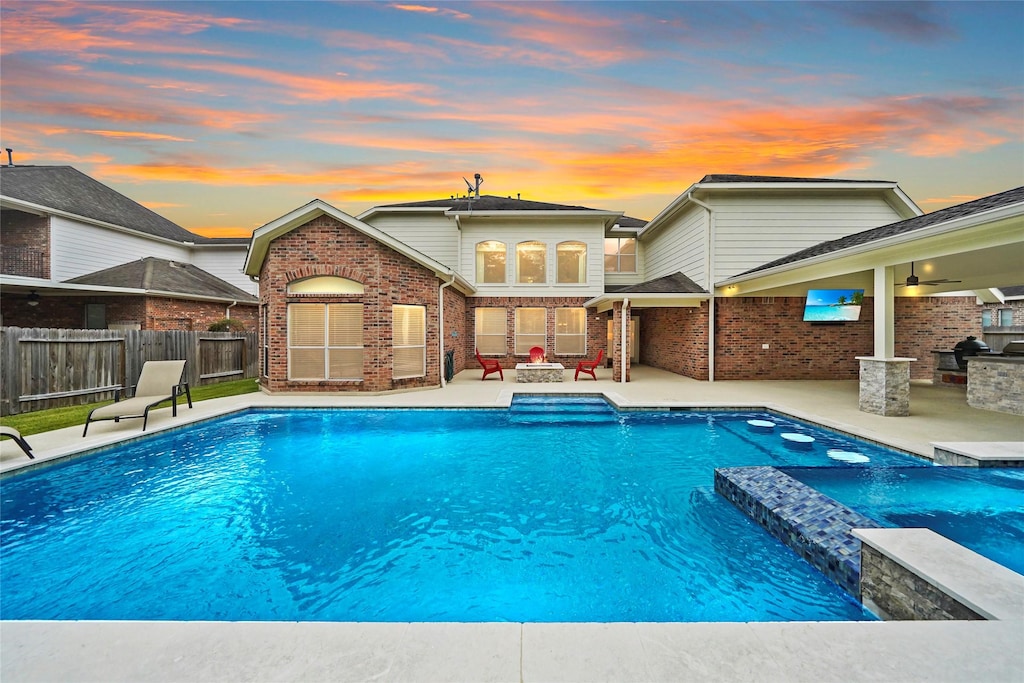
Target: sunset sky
223, 116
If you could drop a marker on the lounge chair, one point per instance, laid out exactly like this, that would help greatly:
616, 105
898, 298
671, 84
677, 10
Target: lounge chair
536, 355
490, 366
18, 439
589, 366
160, 381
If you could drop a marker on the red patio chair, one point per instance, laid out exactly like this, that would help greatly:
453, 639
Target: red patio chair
489, 366
589, 366
536, 355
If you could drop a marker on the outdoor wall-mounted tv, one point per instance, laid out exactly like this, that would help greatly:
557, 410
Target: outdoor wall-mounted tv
833, 305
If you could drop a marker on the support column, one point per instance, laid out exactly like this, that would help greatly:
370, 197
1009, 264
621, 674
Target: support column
885, 385
885, 379
620, 341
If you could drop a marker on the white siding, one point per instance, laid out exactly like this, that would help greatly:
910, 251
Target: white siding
226, 263
432, 234
551, 233
752, 229
78, 249
677, 247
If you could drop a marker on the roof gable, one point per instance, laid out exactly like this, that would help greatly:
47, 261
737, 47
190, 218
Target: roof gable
966, 209
263, 236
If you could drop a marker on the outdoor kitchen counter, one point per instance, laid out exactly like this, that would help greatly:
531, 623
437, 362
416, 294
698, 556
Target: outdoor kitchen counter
996, 383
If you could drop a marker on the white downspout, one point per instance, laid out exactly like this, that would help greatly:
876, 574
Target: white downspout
625, 339
709, 266
227, 311
440, 324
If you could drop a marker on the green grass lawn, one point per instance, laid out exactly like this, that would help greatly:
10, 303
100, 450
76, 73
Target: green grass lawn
57, 418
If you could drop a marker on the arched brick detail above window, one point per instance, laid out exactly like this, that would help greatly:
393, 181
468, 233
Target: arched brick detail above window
319, 270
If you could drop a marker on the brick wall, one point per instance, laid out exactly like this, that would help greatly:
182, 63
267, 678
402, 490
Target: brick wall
597, 328
26, 244
325, 246
797, 350
675, 339
150, 313
455, 327
931, 323
181, 314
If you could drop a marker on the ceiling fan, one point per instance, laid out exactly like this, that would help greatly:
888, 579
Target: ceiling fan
914, 281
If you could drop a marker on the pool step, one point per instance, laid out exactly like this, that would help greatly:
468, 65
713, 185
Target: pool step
561, 410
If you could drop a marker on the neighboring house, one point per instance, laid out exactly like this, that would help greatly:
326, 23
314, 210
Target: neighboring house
371, 303
76, 253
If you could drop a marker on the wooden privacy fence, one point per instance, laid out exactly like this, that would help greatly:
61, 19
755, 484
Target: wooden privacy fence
44, 368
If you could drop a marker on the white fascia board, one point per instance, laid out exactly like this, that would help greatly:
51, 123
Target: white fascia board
40, 210
674, 207
263, 236
605, 301
1006, 235
401, 209
608, 217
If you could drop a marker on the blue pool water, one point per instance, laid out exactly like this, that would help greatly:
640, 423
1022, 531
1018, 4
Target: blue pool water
979, 508
417, 515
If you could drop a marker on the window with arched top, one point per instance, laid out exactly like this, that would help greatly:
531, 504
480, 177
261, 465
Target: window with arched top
531, 262
490, 262
325, 284
572, 262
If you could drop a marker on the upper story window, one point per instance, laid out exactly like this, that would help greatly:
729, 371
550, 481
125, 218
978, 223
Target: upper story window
620, 254
325, 284
531, 262
572, 262
490, 262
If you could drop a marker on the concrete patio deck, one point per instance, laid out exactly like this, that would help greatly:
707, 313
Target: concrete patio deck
205, 651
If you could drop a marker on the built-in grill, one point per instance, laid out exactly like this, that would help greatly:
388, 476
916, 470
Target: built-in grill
1014, 348
971, 346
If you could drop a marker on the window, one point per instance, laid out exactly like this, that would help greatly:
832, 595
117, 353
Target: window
491, 331
95, 316
572, 262
570, 331
1005, 317
409, 341
531, 262
325, 341
620, 255
531, 329
326, 284
490, 262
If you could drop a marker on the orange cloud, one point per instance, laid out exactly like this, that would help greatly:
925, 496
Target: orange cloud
136, 135
317, 88
423, 9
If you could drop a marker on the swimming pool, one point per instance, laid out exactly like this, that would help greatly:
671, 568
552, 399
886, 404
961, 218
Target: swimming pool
417, 515
979, 508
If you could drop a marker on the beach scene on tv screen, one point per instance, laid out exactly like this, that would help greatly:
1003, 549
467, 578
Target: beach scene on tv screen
833, 305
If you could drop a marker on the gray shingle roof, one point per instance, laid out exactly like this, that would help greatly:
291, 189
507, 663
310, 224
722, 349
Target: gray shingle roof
66, 189
1016, 290
489, 202
735, 178
161, 275
676, 283
994, 201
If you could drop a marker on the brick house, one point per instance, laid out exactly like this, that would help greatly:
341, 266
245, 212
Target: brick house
690, 291
78, 254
